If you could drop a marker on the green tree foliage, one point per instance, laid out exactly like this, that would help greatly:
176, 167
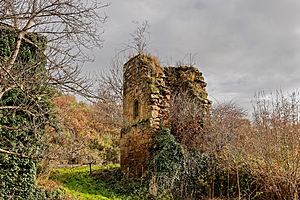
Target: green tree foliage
24, 113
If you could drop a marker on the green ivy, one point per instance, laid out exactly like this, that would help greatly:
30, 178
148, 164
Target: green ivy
174, 172
20, 131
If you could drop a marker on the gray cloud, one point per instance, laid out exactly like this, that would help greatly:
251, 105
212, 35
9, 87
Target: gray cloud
242, 46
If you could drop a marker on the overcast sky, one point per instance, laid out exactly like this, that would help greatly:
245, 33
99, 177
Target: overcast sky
241, 46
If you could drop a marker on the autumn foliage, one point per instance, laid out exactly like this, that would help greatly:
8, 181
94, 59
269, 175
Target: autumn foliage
86, 132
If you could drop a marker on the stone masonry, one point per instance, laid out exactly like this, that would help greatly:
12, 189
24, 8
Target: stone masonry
148, 89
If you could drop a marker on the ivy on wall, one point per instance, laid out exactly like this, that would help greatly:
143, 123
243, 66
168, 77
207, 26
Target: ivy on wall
21, 130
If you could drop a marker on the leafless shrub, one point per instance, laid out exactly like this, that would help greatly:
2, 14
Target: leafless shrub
224, 136
274, 147
224, 125
188, 60
186, 119
268, 147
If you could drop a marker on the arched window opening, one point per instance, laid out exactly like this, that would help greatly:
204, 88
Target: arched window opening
136, 108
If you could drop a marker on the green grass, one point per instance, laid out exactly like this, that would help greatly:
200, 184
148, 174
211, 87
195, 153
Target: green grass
80, 185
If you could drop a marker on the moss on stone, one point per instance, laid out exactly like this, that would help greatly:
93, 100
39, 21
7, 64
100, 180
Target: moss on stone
153, 89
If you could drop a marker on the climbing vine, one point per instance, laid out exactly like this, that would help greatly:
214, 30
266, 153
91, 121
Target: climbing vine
25, 111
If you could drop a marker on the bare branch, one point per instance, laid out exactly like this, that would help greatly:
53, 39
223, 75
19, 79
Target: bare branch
139, 38
12, 153
71, 27
111, 82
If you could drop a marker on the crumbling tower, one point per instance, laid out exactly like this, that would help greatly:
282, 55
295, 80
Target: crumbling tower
148, 89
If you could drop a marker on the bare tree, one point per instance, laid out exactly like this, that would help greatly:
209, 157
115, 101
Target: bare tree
110, 82
71, 26
110, 86
139, 38
60, 31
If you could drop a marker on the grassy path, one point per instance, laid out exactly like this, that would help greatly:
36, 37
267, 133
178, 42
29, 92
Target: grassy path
78, 184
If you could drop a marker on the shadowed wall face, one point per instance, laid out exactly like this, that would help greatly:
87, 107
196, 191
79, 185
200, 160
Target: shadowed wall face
148, 89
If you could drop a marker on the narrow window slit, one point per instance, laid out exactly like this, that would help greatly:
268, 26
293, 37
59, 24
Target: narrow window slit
136, 108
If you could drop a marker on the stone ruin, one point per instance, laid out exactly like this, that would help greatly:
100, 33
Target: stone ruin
148, 89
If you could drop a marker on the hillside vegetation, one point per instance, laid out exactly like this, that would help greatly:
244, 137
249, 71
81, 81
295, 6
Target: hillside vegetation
231, 157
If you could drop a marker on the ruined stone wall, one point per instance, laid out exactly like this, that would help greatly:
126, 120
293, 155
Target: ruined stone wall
148, 88
187, 79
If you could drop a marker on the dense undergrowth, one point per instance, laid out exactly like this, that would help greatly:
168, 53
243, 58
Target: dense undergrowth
173, 173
